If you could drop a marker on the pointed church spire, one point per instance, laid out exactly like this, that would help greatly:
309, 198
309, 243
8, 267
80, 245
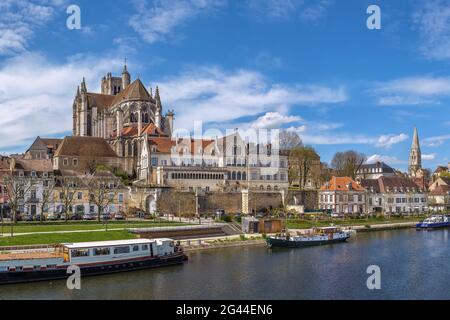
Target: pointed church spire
83, 86
415, 142
415, 156
157, 97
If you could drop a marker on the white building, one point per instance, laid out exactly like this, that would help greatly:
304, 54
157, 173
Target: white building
394, 195
342, 195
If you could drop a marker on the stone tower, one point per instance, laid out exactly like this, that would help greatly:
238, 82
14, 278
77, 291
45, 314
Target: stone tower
415, 156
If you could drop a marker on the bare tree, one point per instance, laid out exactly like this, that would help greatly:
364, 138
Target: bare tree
304, 163
16, 188
103, 188
347, 164
67, 185
47, 195
289, 140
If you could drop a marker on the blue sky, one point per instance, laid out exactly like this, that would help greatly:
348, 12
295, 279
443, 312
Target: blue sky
308, 66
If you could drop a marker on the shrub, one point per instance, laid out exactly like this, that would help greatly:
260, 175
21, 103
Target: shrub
242, 237
226, 218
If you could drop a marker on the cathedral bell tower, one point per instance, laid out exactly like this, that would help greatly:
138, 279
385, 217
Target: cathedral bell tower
125, 77
415, 156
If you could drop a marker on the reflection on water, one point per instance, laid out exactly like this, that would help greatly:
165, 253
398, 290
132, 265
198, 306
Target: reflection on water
414, 265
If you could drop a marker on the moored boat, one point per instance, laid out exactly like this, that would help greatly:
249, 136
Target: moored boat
93, 258
319, 236
433, 222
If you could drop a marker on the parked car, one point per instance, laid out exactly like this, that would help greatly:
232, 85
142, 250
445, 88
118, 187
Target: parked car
119, 216
260, 215
28, 217
38, 217
337, 215
88, 216
53, 216
105, 216
75, 216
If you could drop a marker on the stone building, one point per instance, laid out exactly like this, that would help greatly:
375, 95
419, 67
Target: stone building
374, 171
439, 199
343, 195
394, 195
84, 154
42, 148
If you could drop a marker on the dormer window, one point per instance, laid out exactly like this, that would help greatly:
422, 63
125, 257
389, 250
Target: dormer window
33, 174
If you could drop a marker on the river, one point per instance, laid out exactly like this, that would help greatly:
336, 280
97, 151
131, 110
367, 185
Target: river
414, 265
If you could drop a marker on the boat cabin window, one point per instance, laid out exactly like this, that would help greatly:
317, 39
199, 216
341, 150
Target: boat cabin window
145, 247
101, 251
136, 248
119, 250
79, 253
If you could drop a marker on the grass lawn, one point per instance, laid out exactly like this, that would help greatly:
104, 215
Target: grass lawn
23, 227
66, 237
306, 224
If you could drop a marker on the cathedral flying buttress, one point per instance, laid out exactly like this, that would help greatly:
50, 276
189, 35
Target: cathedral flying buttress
124, 113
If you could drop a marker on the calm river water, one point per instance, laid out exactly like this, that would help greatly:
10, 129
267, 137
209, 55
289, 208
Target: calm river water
414, 265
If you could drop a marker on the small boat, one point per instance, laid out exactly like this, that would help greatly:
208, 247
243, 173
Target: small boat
435, 221
93, 258
319, 236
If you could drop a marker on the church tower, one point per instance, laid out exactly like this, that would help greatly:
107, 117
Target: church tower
125, 77
415, 156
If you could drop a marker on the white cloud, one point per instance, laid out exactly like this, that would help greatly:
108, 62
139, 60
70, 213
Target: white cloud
19, 20
429, 157
387, 141
273, 120
298, 129
335, 138
432, 20
36, 96
435, 141
307, 11
156, 20
210, 94
384, 158
413, 90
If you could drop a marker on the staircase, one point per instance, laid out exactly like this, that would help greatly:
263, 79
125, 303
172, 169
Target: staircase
232, 228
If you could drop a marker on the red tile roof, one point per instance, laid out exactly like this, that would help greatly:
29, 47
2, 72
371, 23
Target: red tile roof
341, 184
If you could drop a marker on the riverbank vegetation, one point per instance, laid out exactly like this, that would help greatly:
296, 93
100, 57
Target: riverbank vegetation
366, 221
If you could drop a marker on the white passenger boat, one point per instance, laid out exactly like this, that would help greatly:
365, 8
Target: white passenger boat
93, 258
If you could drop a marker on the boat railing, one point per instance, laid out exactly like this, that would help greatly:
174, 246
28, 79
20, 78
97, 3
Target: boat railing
28, 248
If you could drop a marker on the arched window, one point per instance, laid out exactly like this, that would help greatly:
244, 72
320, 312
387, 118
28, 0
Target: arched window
269, 188
135, 148
238, 176
233, 176
261, 187
132, 117
146, 118
244, 176
130, 148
